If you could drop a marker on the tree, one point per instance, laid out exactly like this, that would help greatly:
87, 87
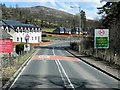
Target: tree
19, 48
111, 20
83, 20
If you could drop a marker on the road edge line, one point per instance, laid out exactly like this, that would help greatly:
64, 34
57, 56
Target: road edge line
95, 66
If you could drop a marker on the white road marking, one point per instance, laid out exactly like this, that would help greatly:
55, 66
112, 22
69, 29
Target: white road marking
66, 75
21, 72
44, 57
60, 65
60, 73
53, 52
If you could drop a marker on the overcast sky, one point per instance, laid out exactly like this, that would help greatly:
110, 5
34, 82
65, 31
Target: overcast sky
89, 6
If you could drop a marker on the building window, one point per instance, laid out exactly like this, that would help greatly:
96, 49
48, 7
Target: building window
21, 39
35, 38
17, 38
37, 30
20, 30
17, 30
38, 38
9, 30
30, 30
32, 38
23, 30
34, 30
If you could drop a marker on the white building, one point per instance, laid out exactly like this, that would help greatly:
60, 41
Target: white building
20, 32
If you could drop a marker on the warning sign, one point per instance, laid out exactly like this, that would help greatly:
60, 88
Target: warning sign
5, 46
101, 32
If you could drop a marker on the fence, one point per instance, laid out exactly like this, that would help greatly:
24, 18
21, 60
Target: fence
11, 64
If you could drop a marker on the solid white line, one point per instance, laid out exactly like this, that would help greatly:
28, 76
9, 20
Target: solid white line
16, 78
60, 73
66, 75
20, 73
53, 52
59, 69
59, 64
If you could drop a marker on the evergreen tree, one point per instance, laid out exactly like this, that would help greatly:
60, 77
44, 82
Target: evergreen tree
111, 20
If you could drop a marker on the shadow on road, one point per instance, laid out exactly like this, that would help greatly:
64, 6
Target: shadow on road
51, 47
36, 82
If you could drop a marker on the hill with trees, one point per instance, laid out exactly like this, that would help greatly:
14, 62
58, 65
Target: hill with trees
38, 15
43, 16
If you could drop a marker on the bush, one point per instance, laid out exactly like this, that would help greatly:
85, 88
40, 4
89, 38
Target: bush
73, 45
44, 35
88, 43
19, 48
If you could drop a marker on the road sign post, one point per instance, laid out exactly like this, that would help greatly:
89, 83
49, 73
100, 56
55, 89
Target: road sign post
27, 38
27, 47
101, 38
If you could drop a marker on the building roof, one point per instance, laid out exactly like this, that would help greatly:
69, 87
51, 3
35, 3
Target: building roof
14, 23
59, 29
1, 23
76, 29
67, 29
4, 34
11, 22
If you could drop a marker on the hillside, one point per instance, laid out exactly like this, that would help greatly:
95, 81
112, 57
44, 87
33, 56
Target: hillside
40, 15
50, 11
49, 15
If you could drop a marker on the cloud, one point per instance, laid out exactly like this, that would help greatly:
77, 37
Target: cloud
89, 6
92, 11
91, 14
53, 3
64, 6
59, 0
51, 0
109, 0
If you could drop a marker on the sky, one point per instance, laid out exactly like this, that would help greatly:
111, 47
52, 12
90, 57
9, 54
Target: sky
89, 6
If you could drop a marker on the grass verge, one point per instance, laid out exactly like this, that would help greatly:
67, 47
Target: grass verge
10, 69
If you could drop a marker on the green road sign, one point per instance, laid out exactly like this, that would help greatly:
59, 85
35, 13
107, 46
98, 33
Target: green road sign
101, 38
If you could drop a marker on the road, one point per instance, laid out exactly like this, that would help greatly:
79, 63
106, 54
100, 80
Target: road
53, 67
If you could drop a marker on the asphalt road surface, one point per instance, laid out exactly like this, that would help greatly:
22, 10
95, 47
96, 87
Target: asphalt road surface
52, 67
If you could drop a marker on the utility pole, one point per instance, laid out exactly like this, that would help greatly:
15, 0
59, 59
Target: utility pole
79, 23
79, 15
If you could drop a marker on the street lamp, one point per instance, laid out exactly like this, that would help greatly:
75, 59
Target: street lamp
79, 22
79, 13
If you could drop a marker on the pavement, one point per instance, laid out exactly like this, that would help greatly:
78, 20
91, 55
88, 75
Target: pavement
97, 64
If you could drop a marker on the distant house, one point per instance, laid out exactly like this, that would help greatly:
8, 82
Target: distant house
62, 30
59, 30
67, 30
75, 30
20, 31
